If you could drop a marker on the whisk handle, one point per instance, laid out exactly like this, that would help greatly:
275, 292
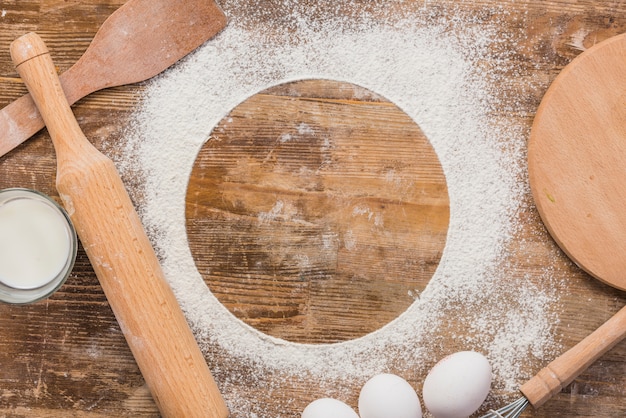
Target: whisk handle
562, 371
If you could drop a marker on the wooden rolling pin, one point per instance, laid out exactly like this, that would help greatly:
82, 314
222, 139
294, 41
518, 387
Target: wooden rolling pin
119, 250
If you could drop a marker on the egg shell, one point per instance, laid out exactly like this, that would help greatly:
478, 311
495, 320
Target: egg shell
457, 385
328, 408
389, 396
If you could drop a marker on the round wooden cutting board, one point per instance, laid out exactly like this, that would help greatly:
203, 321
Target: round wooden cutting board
577, 160
317, 211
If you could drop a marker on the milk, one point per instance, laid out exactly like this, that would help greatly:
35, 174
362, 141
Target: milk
35, 243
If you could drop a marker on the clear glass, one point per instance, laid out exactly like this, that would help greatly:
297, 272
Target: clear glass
15, 295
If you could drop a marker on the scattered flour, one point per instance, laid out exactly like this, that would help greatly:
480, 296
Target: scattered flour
430, 65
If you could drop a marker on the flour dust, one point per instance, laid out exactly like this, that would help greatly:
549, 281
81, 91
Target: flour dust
429, 63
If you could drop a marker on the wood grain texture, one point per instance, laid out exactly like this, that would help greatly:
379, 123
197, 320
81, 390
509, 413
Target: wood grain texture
66, 356
125, 50
120, 252
307, 190
575, 155
575, 161
553, 378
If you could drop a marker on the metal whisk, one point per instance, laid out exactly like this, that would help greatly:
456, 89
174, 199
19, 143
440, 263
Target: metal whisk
512, 410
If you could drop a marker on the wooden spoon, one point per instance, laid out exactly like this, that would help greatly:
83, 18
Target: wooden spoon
139, 40
120, 252
577, 171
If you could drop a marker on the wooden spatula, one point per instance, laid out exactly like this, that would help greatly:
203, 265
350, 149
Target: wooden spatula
577, 172
139, 40
119, 250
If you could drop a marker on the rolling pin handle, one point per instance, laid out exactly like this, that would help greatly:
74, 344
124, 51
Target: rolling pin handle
120, 252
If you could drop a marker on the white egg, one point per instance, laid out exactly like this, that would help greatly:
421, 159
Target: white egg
389, 396
328, 408
457, 385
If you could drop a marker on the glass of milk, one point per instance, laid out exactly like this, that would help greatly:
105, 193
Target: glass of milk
38, 246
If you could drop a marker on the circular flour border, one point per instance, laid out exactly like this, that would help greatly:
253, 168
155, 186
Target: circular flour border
424, 70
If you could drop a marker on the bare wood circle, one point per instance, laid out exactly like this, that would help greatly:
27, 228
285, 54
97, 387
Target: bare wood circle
317, 211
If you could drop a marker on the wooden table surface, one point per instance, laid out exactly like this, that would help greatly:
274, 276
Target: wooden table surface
66, 356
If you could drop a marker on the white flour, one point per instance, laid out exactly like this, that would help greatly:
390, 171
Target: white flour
430, 66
